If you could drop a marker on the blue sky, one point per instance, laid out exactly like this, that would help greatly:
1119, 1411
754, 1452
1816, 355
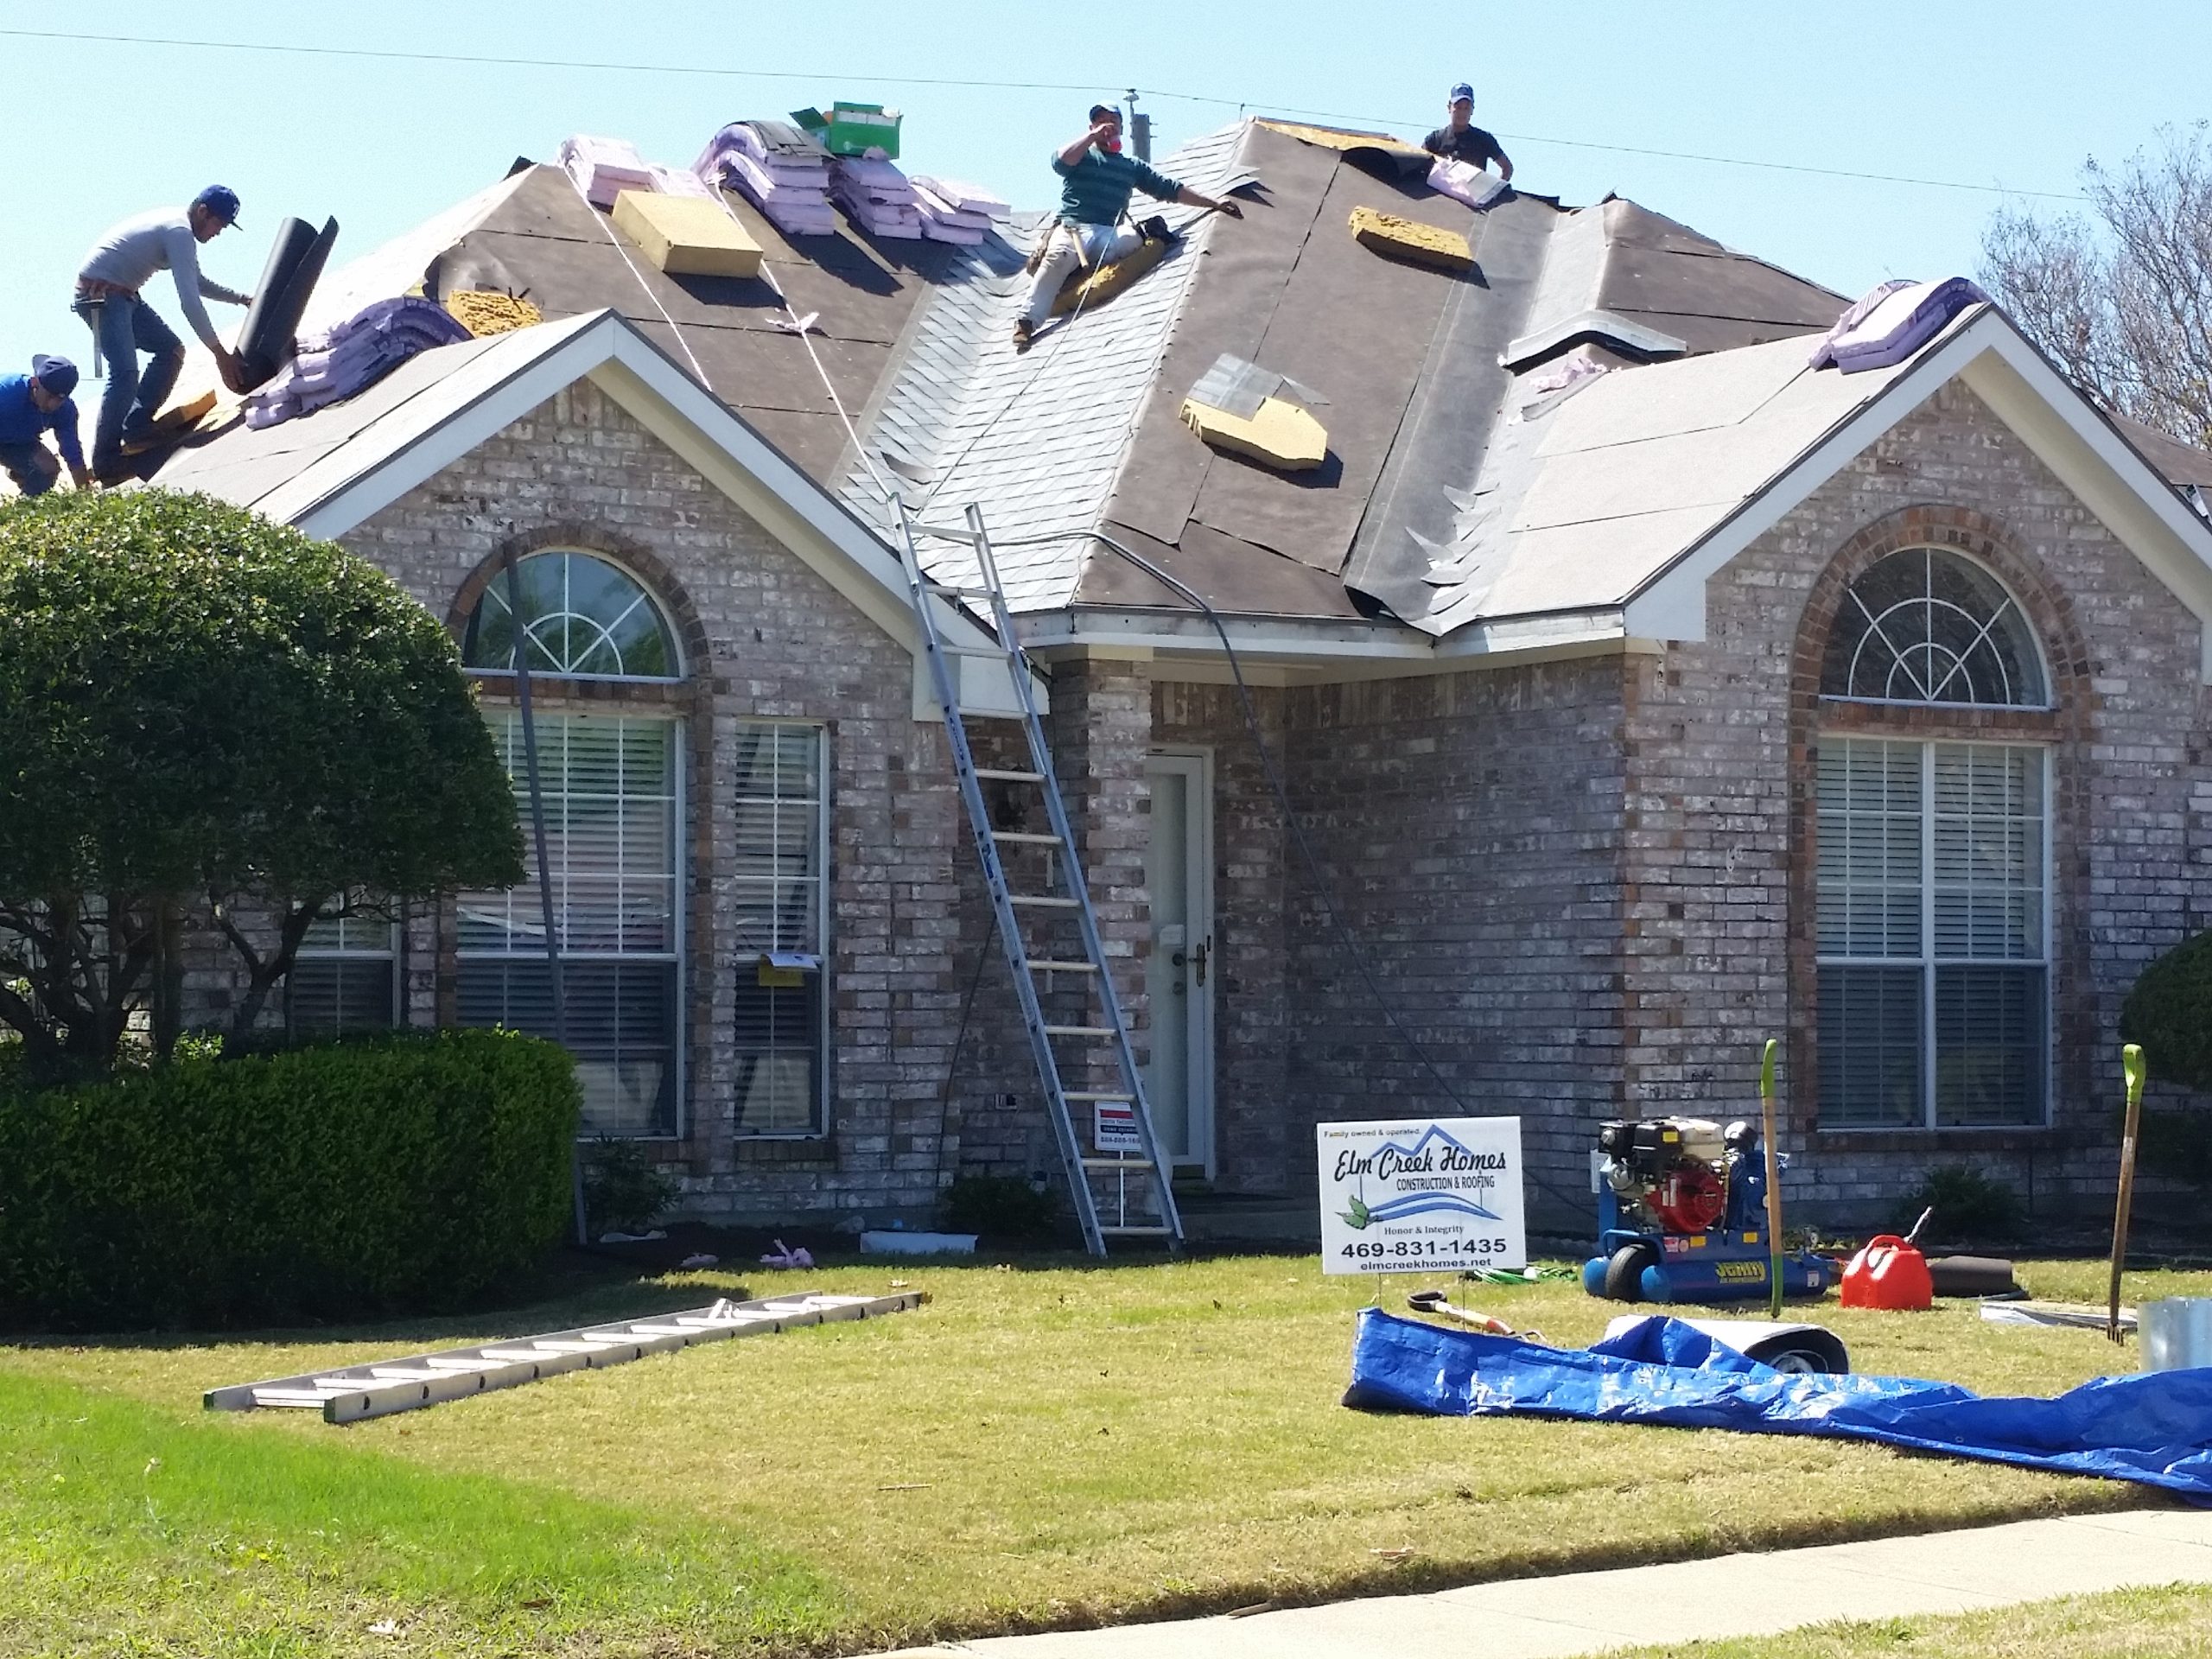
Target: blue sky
2011, 95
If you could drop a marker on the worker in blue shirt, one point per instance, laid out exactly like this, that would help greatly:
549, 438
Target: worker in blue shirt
31, 405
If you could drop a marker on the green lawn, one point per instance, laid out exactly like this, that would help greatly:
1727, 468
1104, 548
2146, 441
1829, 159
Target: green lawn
1045, 1445
2167, 1623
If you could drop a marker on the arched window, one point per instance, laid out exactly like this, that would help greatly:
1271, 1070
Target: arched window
584, 618
1933, 879
1928, 626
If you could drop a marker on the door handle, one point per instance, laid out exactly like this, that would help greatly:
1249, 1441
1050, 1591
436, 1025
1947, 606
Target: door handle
1198, 961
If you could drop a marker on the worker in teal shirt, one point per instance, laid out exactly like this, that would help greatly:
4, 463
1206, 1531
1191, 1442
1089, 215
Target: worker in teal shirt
31, 405
1096, 182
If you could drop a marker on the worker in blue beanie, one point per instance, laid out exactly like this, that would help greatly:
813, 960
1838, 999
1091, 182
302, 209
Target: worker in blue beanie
1459, 140
109, 299
31, 405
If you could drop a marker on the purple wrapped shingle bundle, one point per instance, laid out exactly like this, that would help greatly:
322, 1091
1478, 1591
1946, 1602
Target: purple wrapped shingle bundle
1891, 323
946, 221
776, 168
357, 353
604, 168
961, 196
878, 197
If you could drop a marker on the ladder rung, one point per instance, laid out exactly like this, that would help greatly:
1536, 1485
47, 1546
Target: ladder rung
1134, 1232
1044, 901
1028, 837
1078, 1031
1085, 1094
945, 592
1049, 966
1000, 775
946, 533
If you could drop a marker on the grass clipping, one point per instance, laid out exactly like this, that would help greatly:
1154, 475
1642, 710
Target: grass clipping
482, 312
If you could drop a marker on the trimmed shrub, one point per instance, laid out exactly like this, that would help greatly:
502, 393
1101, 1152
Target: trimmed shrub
404, 1174
1003, 1206
625, 1192
2170, 1012
1968, 1206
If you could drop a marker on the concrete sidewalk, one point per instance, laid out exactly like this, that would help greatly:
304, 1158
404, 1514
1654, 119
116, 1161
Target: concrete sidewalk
1687, 1601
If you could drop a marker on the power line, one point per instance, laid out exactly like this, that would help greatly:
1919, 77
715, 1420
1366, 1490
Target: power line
598, 67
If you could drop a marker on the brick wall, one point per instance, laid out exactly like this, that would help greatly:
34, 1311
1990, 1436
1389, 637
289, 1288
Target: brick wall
1468, 827
1720, 734
765, 638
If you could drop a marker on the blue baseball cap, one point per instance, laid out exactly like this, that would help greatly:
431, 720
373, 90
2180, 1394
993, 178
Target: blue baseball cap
57, 374
220, 200
1460, 93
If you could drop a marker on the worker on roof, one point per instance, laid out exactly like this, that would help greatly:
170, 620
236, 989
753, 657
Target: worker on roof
1460, 140
123, 324
31, 405
1096, 182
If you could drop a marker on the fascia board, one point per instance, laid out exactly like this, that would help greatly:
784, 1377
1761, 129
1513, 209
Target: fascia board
1671, 605
2104, 472
1326, 650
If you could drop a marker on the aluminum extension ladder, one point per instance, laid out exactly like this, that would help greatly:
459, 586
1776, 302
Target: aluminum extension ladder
1123, 1188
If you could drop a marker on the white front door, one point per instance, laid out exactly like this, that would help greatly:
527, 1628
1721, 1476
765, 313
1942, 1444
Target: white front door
1179, 969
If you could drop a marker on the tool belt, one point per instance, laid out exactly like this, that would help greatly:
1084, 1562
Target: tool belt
93, 290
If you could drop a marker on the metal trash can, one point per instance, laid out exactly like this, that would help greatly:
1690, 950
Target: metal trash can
2177, 1332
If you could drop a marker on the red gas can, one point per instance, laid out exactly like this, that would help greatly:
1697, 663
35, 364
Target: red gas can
1888, 1273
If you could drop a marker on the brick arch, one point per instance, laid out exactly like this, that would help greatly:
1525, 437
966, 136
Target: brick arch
640, 560
2066, 727
1959, 530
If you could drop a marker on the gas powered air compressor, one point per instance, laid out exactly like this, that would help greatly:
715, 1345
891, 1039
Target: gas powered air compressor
1681, 1217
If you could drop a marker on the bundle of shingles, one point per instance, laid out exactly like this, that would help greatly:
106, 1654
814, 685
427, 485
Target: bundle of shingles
353, 356
954, 212
781, 170
878, 197
604, 168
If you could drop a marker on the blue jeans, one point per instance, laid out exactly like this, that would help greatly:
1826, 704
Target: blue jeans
21, 462
125, 326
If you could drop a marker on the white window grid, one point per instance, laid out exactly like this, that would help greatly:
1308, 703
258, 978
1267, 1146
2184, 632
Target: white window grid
1928, 959
780, 801
1932, 694
568, 636
364, 943
517, 913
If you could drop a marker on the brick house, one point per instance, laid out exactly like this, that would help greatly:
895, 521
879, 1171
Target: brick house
1637, 691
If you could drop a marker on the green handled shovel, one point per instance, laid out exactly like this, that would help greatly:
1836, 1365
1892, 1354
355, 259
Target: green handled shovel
2131, 1064
1773, 1181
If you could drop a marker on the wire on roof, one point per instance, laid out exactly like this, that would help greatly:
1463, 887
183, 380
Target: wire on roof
600, 66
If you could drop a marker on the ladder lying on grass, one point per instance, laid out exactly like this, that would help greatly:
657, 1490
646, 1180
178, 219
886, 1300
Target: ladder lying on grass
351, 1393
1120, 1180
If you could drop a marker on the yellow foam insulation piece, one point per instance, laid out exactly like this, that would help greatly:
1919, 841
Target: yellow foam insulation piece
1093, 289
1346, 138
182, 417
483, 311
1408, 239
1281, 434
686, 236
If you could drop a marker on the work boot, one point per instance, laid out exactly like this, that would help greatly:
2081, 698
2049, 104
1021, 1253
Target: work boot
1024, 333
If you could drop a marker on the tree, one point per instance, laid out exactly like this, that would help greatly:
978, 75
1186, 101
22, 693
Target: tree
2122, 299
201, 710
2169, 1011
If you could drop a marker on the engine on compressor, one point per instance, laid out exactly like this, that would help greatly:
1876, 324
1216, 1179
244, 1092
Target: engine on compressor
1678, 1174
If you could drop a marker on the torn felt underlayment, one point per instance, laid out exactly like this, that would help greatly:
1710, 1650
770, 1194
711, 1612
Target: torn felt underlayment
2154, 1429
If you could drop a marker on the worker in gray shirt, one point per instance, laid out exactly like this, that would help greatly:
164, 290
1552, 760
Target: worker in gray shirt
110, 300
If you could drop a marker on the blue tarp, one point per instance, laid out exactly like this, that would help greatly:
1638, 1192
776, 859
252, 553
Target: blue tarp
2155, 1429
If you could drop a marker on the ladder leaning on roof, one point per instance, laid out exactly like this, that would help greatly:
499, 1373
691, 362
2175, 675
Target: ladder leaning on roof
1122, 1189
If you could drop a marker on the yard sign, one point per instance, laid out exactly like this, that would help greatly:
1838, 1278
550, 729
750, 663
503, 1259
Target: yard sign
1421, 1193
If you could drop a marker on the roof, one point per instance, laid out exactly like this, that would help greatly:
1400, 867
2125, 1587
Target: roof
1602, 402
